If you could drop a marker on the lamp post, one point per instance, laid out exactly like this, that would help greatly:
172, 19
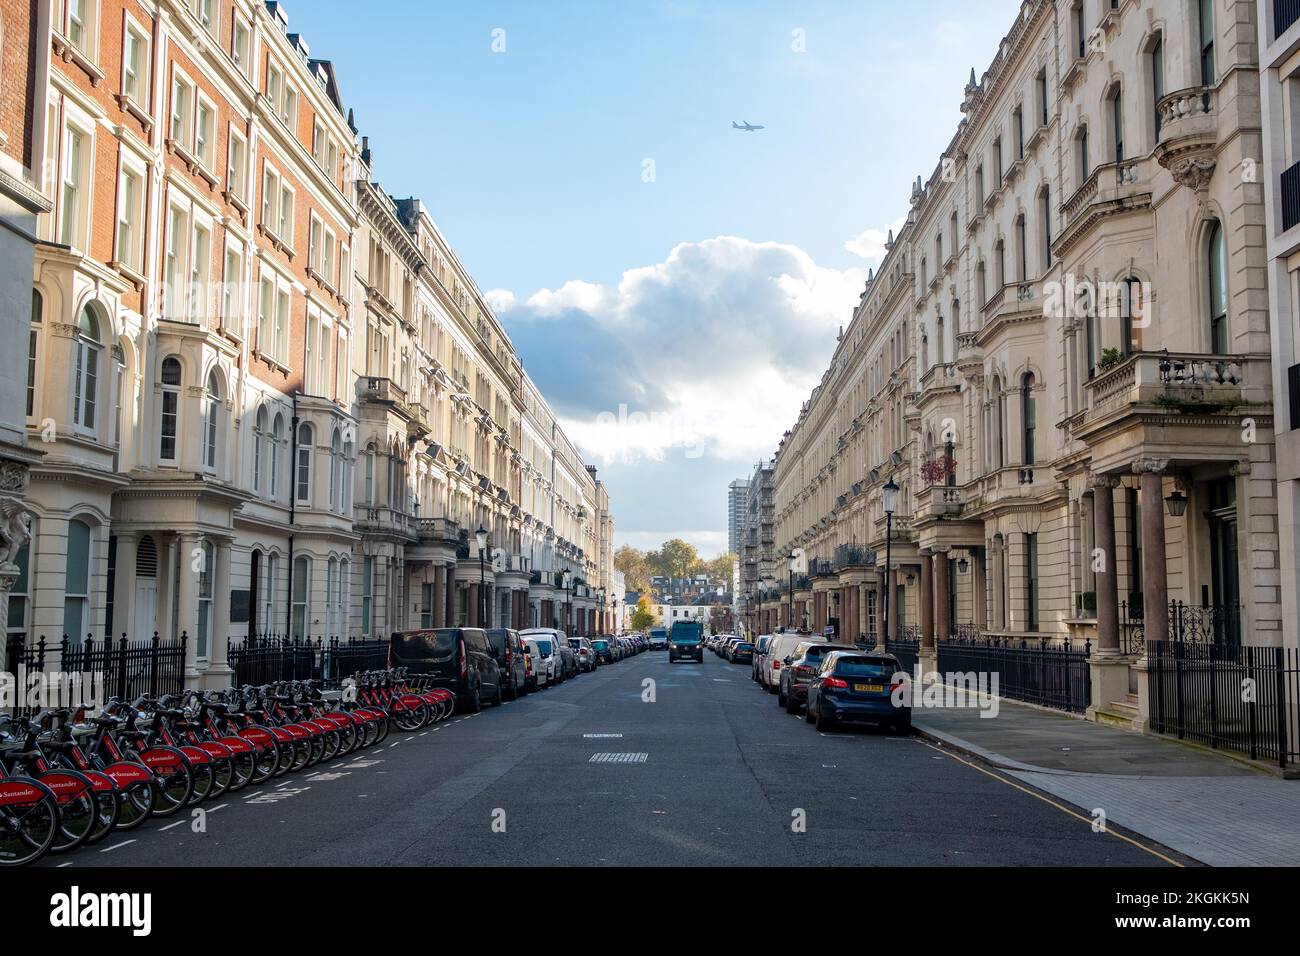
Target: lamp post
482, 535
600, 623
566, 580
793, 559
890, 496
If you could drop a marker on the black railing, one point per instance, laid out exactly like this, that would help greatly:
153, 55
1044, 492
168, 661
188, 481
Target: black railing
1291, 197
267, 659
1132, 634
1245, 699
906, 650
1036, 671
67, 673
1205, 624
1285, 13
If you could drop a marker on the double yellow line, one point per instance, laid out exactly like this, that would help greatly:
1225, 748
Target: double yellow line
1052, 803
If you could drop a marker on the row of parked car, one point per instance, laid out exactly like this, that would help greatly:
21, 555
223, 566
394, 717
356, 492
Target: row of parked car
494, 665
831, 683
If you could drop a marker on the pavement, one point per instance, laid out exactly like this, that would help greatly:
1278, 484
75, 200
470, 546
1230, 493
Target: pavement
642, 763
1208, 807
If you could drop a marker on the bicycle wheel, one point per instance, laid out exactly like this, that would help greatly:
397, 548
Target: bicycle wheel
173, 780
108, 807
29, 820
78, 812
244, 766
411, 718
204, 780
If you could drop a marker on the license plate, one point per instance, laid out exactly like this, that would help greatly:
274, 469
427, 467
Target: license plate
869, 688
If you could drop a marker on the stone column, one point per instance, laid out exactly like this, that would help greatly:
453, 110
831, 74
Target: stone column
451, 596
124, 585
219, 672
1103, 518
439, 617
473, 616
927, 600
891, 582
1155, 583
187, 591
942, 584
490, 606
979, 587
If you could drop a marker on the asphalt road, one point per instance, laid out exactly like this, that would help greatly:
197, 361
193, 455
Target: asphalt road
725, 779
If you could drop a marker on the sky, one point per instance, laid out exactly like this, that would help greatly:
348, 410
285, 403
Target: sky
674, 286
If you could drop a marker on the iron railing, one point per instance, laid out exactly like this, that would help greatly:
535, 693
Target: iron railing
906, 650
1205, 624
1132, 632
1244, 699
267, 659
1036, 671
67, 673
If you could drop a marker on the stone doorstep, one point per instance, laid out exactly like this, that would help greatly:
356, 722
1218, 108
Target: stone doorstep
1125, 722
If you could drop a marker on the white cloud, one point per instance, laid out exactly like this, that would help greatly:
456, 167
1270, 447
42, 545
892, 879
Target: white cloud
870, 244
500, 300
709, 352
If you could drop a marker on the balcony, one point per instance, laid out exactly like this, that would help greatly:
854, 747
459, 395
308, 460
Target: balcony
1188, 135
385, 522
939, 501
1180, 382
852, 556
384, 391
437, 531
1285, 13
1291, 196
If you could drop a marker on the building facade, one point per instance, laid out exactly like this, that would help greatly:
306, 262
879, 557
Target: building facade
759, 566
262, 395
1279, 45
1063, 361
737, 493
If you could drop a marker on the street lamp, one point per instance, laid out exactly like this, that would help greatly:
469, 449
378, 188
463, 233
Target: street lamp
482, 535
1177, 504
890, 495
600, 624
566, 579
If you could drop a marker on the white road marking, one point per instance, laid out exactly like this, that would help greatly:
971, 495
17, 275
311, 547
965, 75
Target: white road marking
62, 865
171, 826
618, 758
602, 736
118, 847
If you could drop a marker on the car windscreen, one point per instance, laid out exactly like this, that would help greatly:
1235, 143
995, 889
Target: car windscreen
600, 645
498, 637
545, 646
425, 645
864, 667
744, 647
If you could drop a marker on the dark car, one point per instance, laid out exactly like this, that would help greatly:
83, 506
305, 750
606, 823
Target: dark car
742, 653
459, 659
604, 653
857, 686
800, 668
686, 641
585, 652
509, 652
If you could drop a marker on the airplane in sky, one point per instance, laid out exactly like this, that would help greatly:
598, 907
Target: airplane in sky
745, 127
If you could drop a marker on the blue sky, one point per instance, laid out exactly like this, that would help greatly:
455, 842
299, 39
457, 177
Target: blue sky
640, 252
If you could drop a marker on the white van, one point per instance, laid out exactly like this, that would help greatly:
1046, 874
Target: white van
783, 646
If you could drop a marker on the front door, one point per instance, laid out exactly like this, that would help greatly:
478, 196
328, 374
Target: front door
146, 607
1224, 575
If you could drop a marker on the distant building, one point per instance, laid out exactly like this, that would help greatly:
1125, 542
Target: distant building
737, 495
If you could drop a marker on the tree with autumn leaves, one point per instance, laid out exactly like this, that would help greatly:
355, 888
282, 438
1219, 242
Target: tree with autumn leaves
673, 559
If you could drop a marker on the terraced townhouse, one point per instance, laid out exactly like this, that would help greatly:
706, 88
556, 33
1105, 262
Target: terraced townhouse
1063, 363
262, 396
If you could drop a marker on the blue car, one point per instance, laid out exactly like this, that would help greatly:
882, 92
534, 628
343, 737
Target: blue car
852, 686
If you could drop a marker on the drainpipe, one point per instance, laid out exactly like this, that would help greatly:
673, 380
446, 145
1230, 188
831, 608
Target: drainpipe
293, 509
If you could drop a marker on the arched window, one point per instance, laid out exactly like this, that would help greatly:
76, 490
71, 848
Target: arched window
306, 435
38, 314
370, 476
1134, 313
1206, 34
345, 596
349, 476
336, 471
272, 583
277, 440
259, 449
1156, 58
1115, 104
87, 348
1000, 252
301, 596
999, 424
211, 421
1084, 160
925, 350
1218, 274
76, 582
169, 410
1045, 226
941, 339
1028, 415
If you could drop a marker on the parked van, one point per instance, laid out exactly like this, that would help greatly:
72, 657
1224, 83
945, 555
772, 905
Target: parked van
780, 648
459, 659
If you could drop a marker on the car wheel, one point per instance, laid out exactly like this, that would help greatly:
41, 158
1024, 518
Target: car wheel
475, 701
903, 727
823, 723
780, 698
808, 713
791, 705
